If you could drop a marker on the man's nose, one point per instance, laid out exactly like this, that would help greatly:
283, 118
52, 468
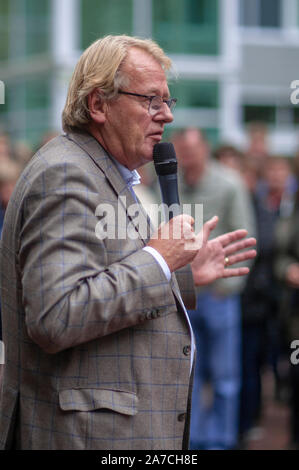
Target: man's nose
164, 114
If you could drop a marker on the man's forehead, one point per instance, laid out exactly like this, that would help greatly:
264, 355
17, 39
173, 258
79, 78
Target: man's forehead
145, 73
142, 62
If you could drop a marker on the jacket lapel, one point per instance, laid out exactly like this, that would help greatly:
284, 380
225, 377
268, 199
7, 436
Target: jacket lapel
102, 159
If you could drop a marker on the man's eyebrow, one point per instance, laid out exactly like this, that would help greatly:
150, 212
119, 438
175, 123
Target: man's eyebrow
155, 92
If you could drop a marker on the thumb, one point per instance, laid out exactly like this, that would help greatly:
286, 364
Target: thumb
208, 227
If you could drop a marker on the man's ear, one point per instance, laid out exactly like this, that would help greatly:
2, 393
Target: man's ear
97, 106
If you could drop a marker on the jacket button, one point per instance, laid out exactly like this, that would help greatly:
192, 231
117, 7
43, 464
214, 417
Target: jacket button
182, 417
155, 313
148, 313
187, 350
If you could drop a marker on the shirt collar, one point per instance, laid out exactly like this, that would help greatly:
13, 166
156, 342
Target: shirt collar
131, 177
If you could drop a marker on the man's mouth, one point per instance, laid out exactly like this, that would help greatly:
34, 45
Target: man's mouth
156, 136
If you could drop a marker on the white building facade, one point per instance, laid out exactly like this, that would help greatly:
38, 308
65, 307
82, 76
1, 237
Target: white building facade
235, 60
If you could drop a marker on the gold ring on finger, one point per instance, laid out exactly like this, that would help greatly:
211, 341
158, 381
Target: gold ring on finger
226, 261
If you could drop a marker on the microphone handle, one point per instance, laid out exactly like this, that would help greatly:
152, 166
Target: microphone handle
170, 194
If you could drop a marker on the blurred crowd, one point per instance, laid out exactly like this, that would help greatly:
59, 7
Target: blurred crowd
269, 312
241, 326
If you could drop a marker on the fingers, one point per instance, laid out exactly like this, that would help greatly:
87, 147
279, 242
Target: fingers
208, 227
233, 272
240, 257
231, 237
184, 218
238, 246
179, 227
184, 223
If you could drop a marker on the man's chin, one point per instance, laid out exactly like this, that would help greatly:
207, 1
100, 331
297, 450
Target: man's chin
147, 155
147, 152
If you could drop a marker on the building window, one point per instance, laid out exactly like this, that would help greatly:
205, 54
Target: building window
273, 115
102, 17
195, 93
198, 104
259, 113
37, 26
261, 13
295, 112
24, 32
25, 114
24, 28
4, 29
190, 26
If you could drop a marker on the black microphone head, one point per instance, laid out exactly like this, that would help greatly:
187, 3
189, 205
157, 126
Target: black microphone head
165, 158
163, 151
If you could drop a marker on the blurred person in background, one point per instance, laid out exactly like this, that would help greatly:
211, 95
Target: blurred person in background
260, 298
294, 183
217, 320
250, 176
5, 147
296, 165
229, 156
287, 272
46, 137
22, 153
257, 146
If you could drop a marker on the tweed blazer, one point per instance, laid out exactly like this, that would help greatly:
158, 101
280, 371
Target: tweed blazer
97, 346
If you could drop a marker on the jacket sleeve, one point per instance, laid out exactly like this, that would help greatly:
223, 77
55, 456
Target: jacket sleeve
72, 291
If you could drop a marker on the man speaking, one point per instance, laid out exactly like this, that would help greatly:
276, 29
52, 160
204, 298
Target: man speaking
99, 350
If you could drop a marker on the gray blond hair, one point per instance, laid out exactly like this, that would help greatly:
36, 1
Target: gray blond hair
100, 67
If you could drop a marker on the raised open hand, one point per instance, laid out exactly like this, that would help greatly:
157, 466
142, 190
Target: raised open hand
213, 258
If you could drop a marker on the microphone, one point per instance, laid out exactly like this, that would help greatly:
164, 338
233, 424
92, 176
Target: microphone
166, 168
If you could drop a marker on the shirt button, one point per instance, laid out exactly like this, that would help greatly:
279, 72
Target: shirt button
182, 417
187, 350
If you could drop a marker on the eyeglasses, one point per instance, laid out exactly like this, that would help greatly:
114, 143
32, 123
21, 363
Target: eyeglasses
155, 102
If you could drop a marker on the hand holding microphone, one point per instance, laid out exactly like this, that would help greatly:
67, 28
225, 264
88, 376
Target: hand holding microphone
172, 237
170, 241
